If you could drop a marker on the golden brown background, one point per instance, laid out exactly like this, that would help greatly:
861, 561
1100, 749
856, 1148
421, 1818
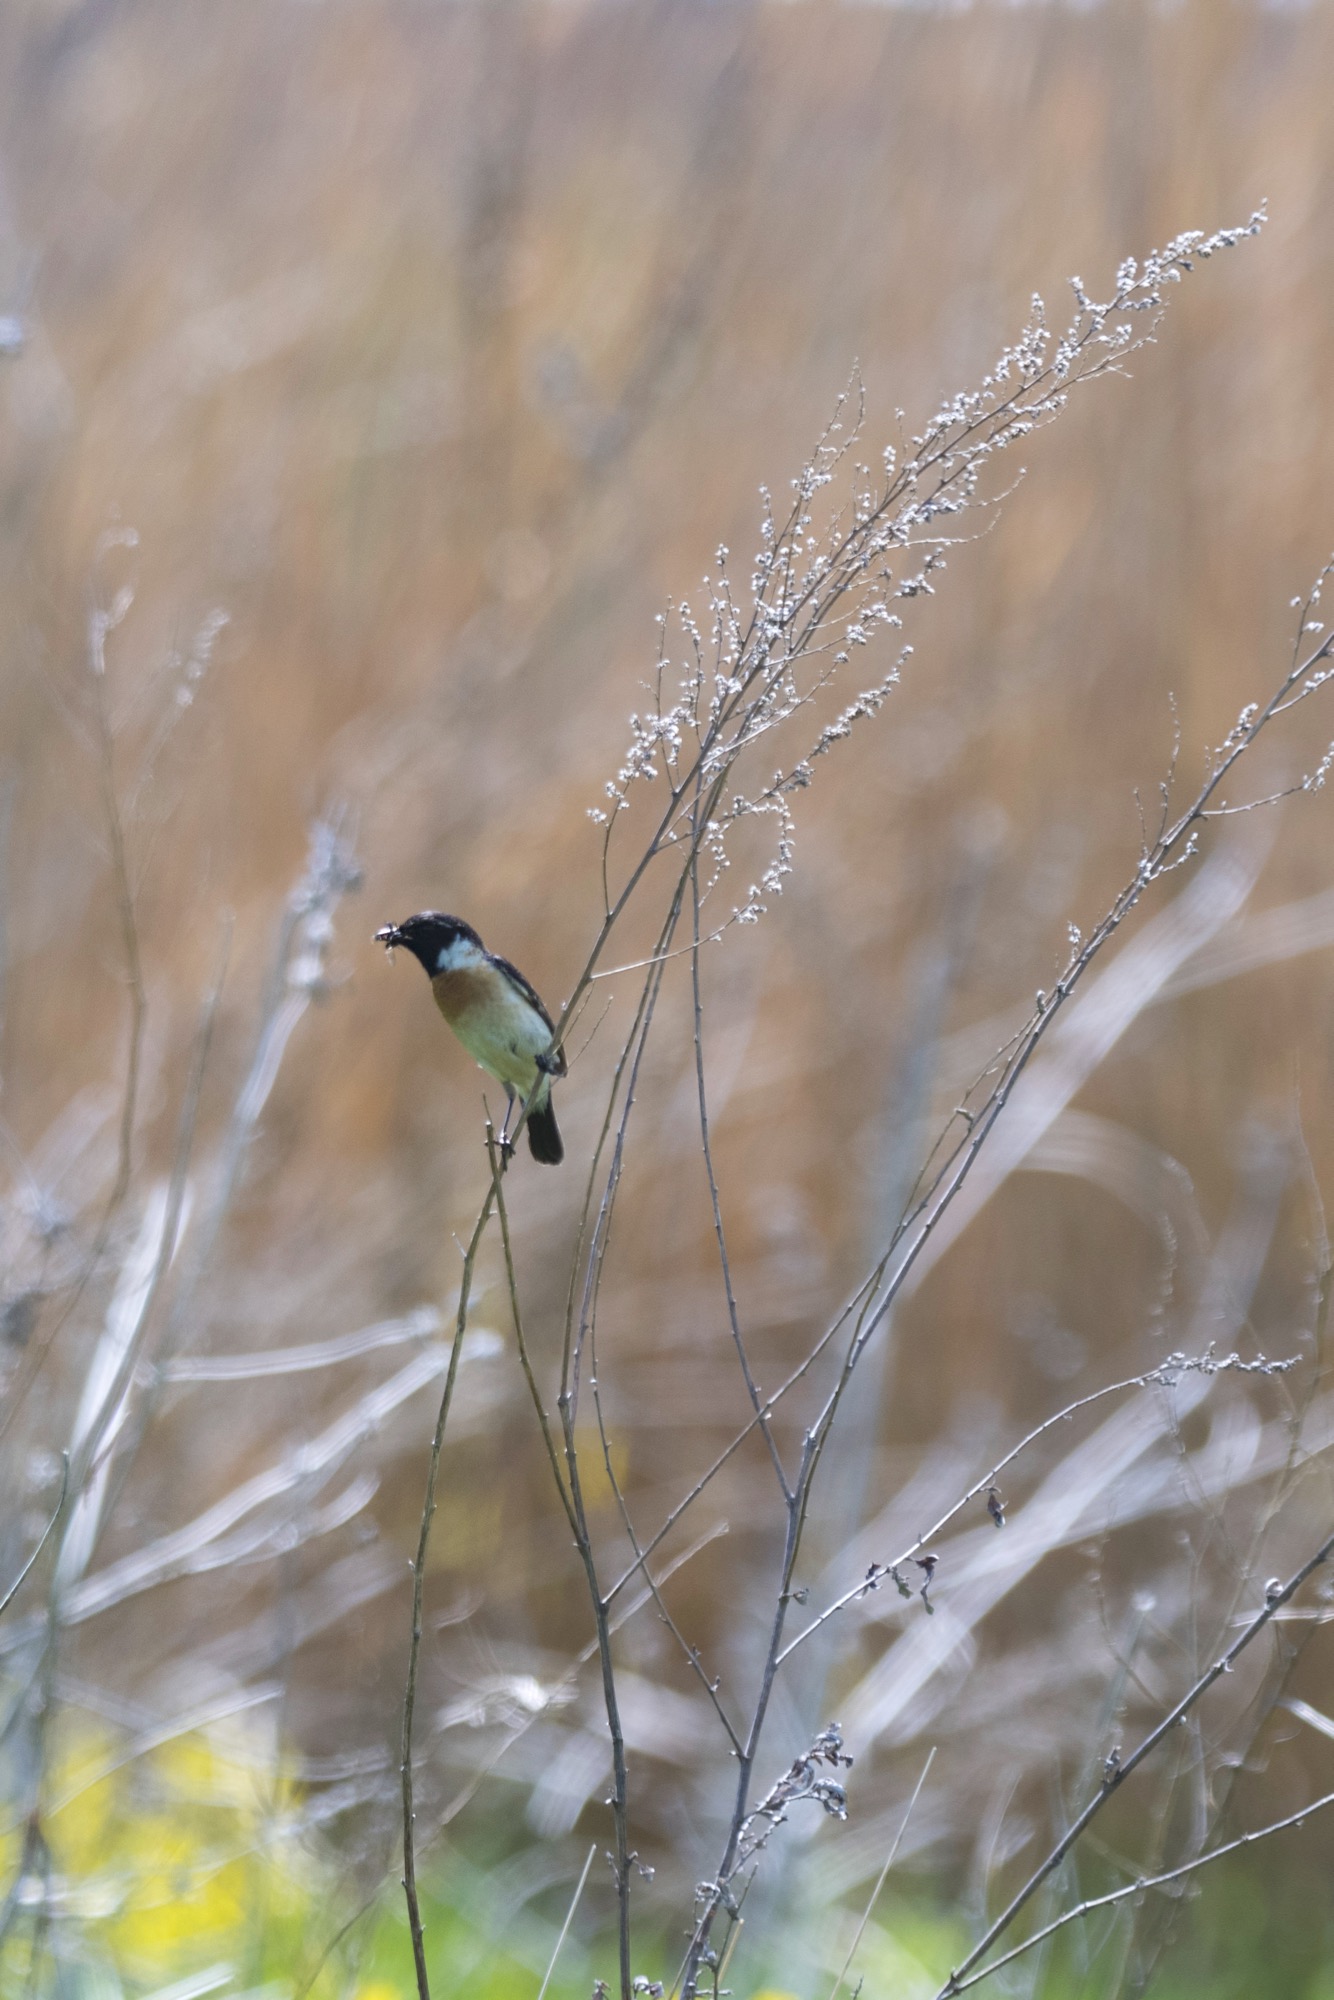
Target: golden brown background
438, 347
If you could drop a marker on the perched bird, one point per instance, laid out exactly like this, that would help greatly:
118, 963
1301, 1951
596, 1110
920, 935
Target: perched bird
495, 1013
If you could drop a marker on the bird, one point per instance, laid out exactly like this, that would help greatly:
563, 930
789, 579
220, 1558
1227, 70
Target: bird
496, 1014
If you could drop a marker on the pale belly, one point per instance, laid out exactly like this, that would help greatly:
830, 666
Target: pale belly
506, 1040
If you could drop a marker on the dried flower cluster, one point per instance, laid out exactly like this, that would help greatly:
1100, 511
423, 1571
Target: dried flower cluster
832, 574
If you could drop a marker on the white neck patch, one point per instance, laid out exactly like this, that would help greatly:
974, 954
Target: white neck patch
460, 956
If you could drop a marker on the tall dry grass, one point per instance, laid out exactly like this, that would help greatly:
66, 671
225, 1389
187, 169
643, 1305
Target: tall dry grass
437, 351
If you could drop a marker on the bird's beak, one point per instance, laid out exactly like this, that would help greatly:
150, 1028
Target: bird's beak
389, 936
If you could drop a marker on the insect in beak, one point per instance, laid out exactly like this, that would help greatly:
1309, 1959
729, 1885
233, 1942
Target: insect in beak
389, 936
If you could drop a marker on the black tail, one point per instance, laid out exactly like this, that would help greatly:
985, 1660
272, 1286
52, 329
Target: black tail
544, 1141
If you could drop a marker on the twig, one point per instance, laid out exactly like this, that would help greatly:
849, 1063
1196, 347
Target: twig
100, 623
689, 1653
1118, 1773
1165, 1375
909, 1240
880, 1879
418, 1581
569, 1919
706, 1146
1137, 1888
516, 1314
45, 1536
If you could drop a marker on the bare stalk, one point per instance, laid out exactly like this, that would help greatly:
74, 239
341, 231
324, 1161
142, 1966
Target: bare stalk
706, 1148
1175, 842
819, 589
874, 1896
1119, 1770
42, 1540
569, 1919
418, 1582
1139, 1887
1166, 1375
100, 623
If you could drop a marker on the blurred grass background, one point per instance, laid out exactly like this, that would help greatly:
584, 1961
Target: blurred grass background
438, 347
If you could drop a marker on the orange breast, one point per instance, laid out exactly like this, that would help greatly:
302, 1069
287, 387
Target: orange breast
458, 994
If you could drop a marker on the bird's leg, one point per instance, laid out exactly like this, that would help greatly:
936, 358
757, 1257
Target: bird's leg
506, 1149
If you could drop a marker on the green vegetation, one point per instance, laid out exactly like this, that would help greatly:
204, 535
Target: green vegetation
191, 1869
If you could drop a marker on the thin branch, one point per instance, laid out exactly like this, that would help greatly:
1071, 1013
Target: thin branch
880, 1878
1138, 1888
1165, 1375
99, 624
569, 1919
909, 1240
43, 1539
814, 590
689, 1652
418, 1582
706, 1146
525, 1360
665, 958
1275, 1599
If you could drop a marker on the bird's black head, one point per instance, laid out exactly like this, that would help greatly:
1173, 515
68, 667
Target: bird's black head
426, 935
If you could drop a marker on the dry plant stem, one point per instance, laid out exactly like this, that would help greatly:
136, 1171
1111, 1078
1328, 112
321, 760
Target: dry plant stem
798, 600
1268, 1698
484, 1770
171, 1222
706, 1147
23, 1575
621, 1861
1175, 842
1138, 1888
792, 632
719, 1892
1164, 1376
577, 1341
640, 1035
570, 1678
129, 931
569, 1486
689, 1652
636, 1043
569, 1919
35, 1849
1274, 1602
418, 1580
1202, 1362
329, 873
689, 1498
86, 1457
590, 1251
571, 1497
525, 1360
572, 1514
874, 1897
593, 1261
124, 910
614, 911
